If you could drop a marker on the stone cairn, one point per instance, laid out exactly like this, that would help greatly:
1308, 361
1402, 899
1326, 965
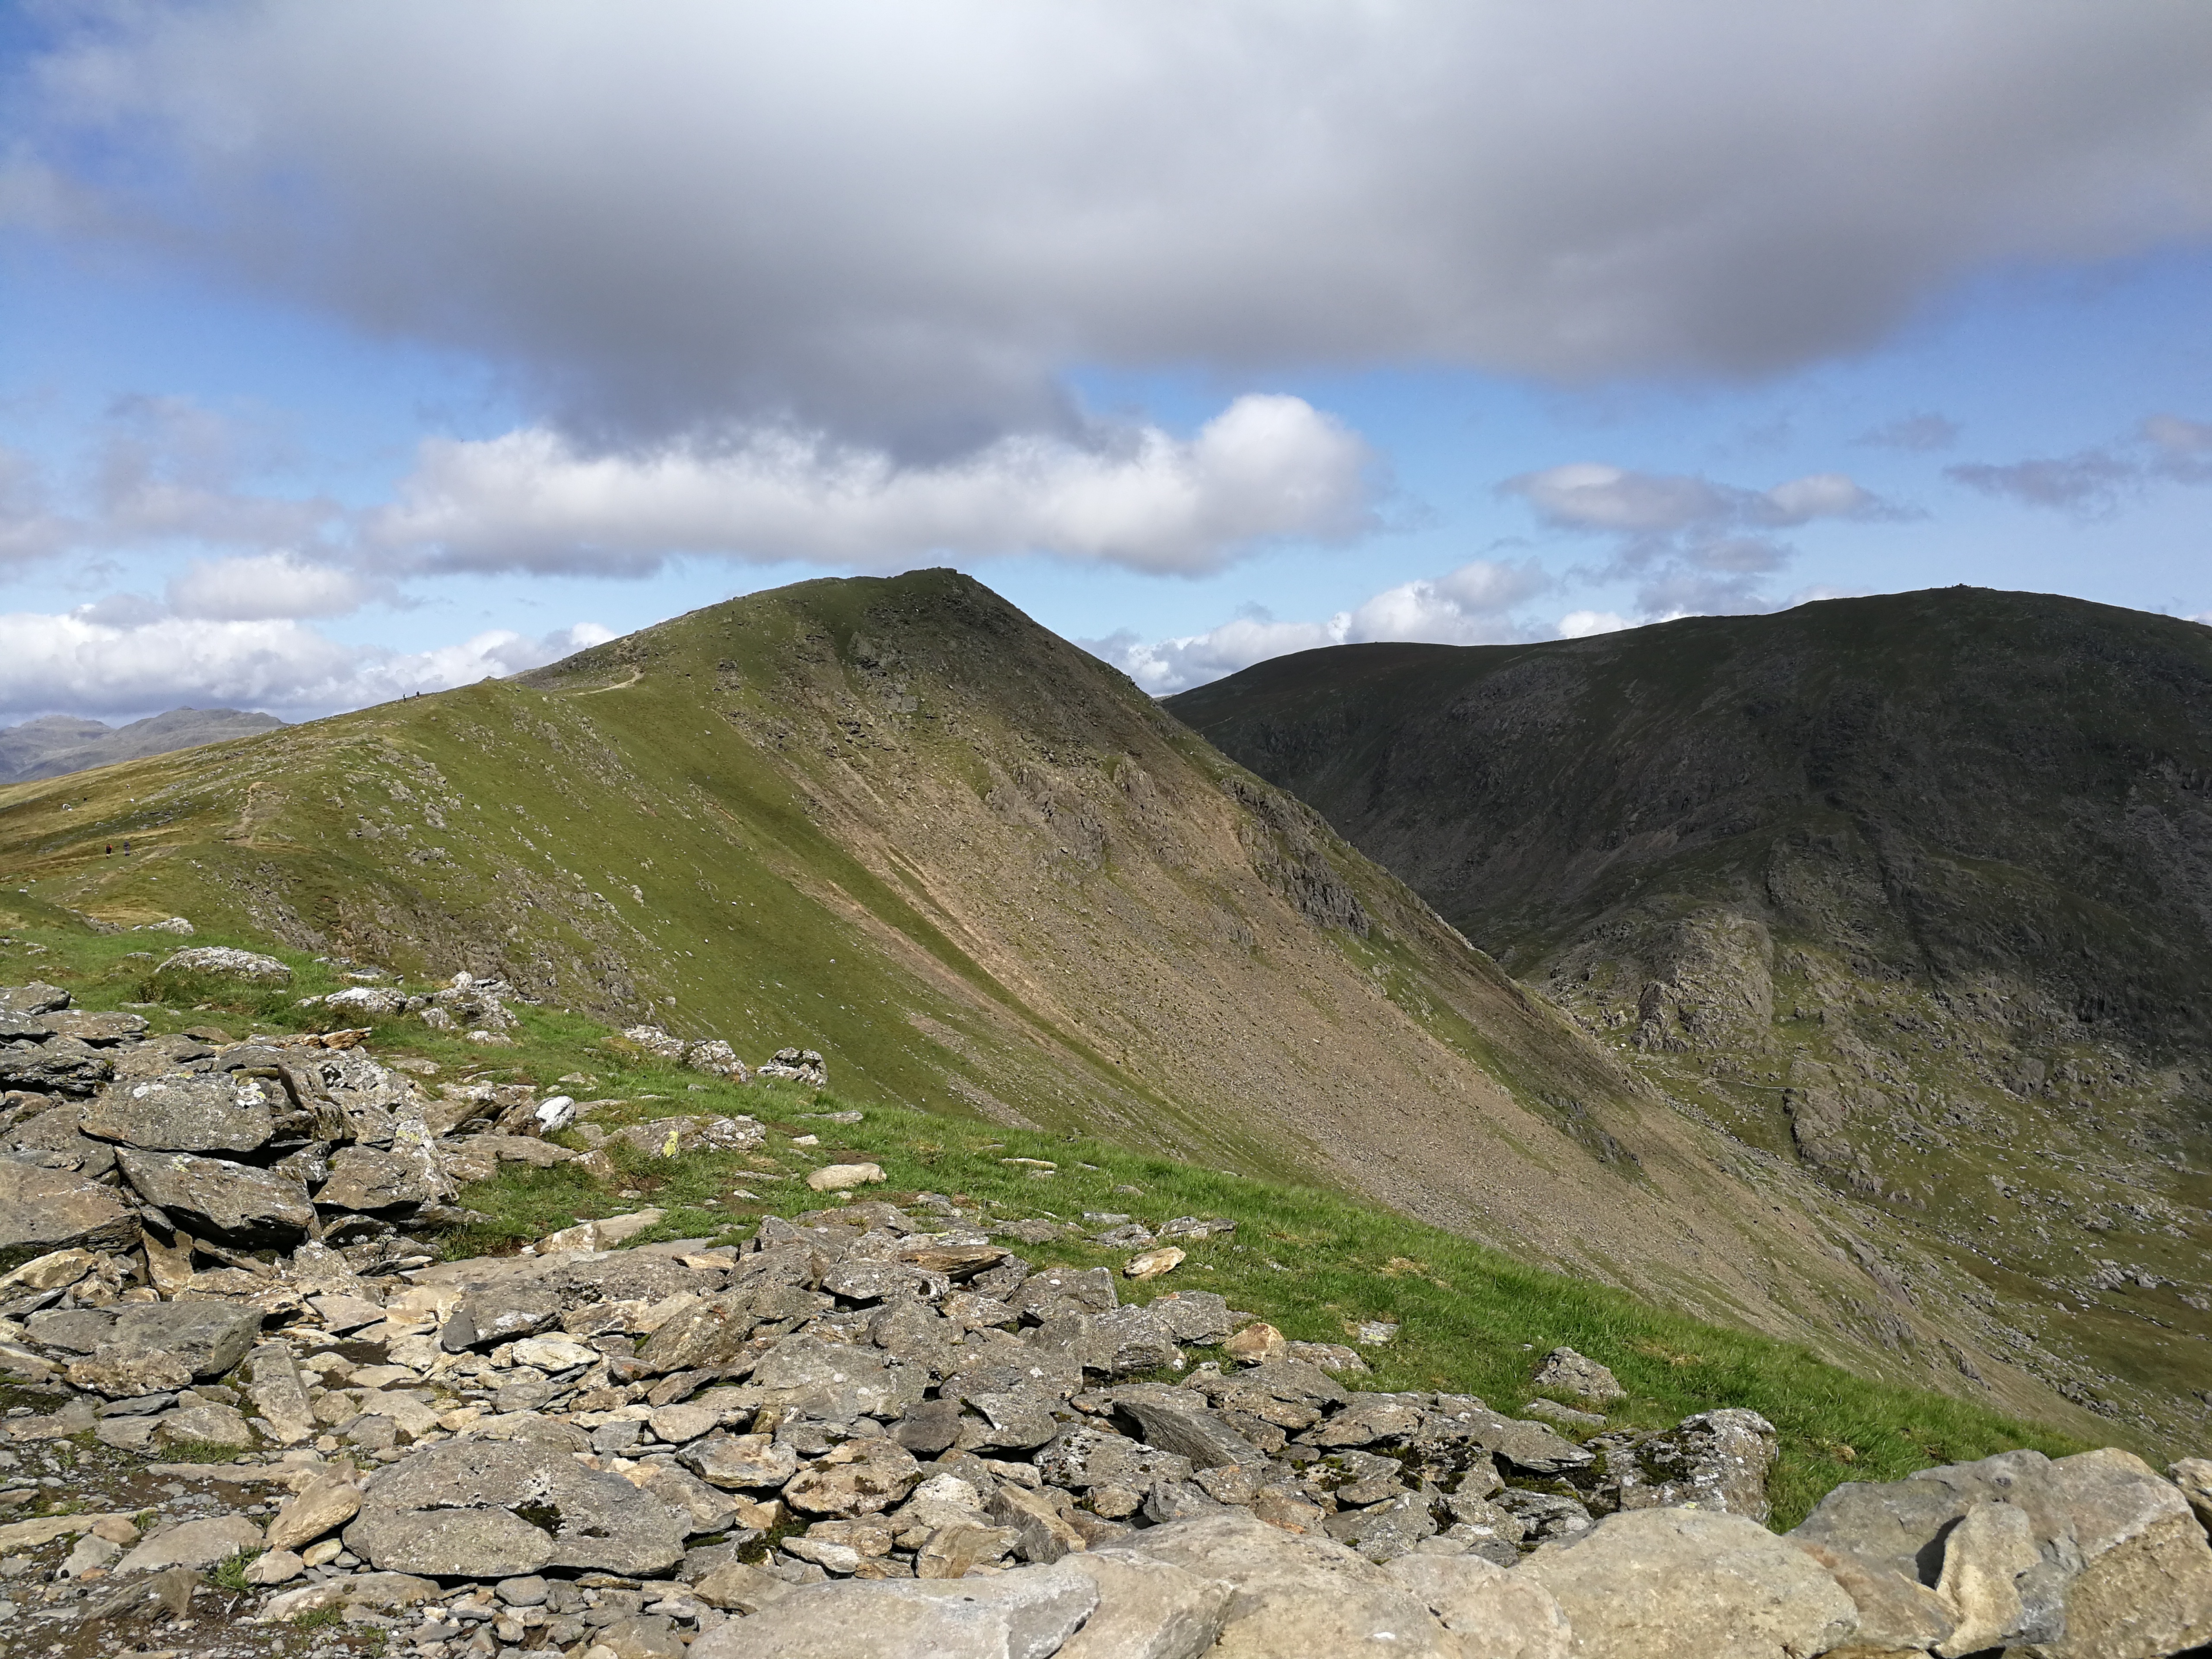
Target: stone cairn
870, 1432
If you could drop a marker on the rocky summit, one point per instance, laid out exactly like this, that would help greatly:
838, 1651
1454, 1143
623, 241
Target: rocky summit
252, 1413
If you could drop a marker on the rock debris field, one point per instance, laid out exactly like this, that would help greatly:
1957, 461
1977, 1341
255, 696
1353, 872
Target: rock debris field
249, 1412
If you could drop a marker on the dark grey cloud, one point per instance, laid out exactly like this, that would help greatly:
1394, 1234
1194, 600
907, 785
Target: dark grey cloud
902, 224
2095, 482
2089, 482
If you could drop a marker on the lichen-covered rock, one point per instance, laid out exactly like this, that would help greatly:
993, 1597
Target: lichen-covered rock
861, 1477
1565, 1372
188, 1112
671, 1137
365, 1180
234, 1204
1028, 1615
42, 1211
145, 1348
493, 1509
222, 962
1716, 1461
59, 1064
1682, 1585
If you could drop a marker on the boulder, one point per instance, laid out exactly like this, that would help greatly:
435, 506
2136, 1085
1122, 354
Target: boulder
1196, 1316
1985, 1558
194, 1544
1191, 1432
500, 1312
233, 1204
273, 1385
328, 1499
221, 962
42, 1211
189, 1112
1716, 1461
1507, 1615
1565, 1372
797, 1065
1673, 1583
1146, 1610
1015, 1615
2145, 1586
53, 1140
671, 1137
59, 1064
482, 1509
835, 1381
2120, 1563
1293, 1594
397, 1182
153, 1347
860, 1477
1082, 1457
1382, 1532
101, 1031
842, 1177
36, 998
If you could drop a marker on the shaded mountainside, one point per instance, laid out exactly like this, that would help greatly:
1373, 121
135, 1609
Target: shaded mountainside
896, 820
58, 744
1915, 890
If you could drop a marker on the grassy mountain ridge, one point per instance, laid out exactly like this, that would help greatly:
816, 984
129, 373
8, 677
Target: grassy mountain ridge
895, 820
1913, 891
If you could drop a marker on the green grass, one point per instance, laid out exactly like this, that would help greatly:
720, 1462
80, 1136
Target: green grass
200, 1451
1471, 1320
230, 1571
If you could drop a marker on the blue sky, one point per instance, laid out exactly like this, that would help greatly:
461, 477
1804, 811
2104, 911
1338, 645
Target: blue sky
356, 350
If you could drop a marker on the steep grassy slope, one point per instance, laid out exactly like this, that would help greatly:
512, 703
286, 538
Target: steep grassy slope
895, 821
1915, 890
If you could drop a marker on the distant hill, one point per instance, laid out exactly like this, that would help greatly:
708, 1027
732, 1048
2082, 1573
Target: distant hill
1914, 891
896, 820
58, 744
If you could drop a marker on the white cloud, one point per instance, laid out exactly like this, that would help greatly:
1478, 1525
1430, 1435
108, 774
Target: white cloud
1168, 665
1593, 496
1581, 625
898, 223
111, 659
1694, 546
1265, 468
1469, 607
261, 588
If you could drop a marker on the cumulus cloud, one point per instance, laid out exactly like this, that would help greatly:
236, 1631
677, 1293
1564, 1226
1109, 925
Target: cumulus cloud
898, 223
1468, 607
262, 587
1581, 625
163, 473
115, 658
1265, 468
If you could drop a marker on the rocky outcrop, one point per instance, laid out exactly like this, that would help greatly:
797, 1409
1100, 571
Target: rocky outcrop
875, 1429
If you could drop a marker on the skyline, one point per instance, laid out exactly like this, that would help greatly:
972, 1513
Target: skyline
354, 351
